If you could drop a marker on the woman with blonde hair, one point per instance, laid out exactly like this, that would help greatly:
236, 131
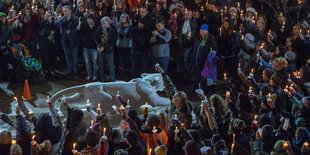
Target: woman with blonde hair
105, 40
164, 124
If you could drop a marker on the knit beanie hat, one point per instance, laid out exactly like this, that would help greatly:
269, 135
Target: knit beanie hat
280, 63
92, 138
161, 150
250, 9
2, 14
234, 9
269, 72
306, 101
153, 120
204, 27
289, 55
276, 79
5, 137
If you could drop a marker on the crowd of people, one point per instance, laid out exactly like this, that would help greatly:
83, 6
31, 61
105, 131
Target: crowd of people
260, 56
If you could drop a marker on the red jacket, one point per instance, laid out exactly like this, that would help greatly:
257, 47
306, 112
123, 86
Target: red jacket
28, 30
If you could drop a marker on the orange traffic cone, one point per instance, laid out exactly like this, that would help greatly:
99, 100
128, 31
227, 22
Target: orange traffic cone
27, 95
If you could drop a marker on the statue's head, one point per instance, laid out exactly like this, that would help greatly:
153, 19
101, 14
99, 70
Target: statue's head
155, 80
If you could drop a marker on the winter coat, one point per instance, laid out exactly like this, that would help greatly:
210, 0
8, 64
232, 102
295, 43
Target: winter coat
170, 90
123, 39
22, 134
161, 47
45, 34
29, 28
77, 131
138, 149
210, 69
107, 43
200, 51
150, 141
6, 33
140, 39
88, 35
68, 40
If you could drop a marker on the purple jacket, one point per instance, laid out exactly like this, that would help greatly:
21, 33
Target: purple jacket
209, 68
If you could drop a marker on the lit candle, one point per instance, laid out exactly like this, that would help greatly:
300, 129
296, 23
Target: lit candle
30, 112
234, 138
250, 89
87, 102
220, 31
104, 130
253, 20
182, 124
13, 142
241, 13
189, 34
252, 72
201, 8
298, 75
263, 44
146, 105
150, 151
154, 130
269, 99
48, 99
176, 130
256, 14
86, 10
285, 145
289, 76
33, 137
283, 24
100, 13
308, 33
91, 123
175, 117
286, 89
128, 106
242, 37
185, 10
232, 148
306, 144
74, 144
225, 9
239, 67
225, 77
238, 4
122, 107
16, 102
12, 7
147, 2
255, 117
227, 94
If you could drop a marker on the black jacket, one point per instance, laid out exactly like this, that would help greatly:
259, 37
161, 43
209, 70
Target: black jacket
138, 149
141, 39
88, 35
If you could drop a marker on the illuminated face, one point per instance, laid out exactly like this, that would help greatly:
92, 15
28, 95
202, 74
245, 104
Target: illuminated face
159, 26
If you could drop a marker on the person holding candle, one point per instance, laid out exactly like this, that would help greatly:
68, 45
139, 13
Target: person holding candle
87, 30
153, 135
92, 142
202, 42
77, 130
69, 36
23, 138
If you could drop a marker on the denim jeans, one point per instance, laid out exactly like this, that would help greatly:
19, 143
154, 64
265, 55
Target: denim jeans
90, 56
163, 62
109, 58
71, 59
139, 63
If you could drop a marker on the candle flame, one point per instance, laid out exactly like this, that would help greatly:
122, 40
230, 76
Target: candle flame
306, 144
33, 137
74, 144
285, 144
13, 142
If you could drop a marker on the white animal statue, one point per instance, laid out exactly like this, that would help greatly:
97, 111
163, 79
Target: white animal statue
139, 91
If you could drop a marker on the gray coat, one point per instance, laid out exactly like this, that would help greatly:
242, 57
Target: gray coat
162, 49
